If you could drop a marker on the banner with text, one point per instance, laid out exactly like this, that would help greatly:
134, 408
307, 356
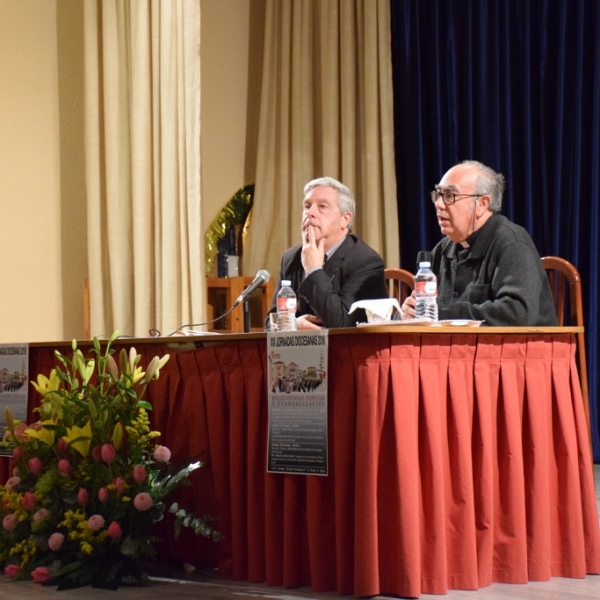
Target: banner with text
297, 380
14, 380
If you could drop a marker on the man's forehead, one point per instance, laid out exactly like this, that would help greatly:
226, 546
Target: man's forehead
457, 176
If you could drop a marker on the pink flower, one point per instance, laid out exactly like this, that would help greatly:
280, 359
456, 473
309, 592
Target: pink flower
96, 522
40, 515
119, 483
97, 453
17, 455
55, 541
161, 454
82, 497
142, 501
20, 430
10, 522
35, 465
139, 473
103, 495
64, 467
12, 484
28, 501
12, 570
63, 447
114, 530
108, 453
40, 574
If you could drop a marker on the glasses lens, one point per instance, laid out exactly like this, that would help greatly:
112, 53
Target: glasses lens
447, 197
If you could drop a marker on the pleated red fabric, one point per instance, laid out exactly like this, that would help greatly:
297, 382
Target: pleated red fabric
455, 461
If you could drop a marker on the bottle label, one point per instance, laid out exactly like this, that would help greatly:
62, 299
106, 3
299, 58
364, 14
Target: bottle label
426, 288
286, 304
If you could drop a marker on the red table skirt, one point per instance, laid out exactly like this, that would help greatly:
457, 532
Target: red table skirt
455, 461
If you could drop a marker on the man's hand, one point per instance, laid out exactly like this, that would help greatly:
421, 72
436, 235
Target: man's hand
407, 311
313, 254
309, 322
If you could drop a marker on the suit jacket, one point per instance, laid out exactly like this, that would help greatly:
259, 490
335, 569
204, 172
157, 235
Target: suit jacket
354, 272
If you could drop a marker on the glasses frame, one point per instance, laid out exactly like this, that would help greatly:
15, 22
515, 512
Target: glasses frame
436, 194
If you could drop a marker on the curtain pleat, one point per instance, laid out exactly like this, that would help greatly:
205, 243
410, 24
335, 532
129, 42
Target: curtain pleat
515, 85
142, 81
325, 109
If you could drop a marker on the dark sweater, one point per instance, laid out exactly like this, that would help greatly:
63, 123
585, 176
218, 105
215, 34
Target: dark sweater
500, 281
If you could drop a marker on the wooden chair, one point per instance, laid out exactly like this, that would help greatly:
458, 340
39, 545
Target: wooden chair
563, 276
400, 283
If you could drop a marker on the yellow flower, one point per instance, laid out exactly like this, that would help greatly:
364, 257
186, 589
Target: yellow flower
138, 375
79, 438
129, 366
117, 436
43, 434
111, 363
46, 385
86, 548
156, 364
86, 370
10, 420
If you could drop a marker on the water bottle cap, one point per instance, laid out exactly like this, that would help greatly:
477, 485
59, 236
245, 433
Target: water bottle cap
425, 263
285, 282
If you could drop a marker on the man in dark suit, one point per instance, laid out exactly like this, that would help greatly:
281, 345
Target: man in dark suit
332, 268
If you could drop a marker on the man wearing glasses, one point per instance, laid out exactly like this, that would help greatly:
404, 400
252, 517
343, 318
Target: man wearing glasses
487, 267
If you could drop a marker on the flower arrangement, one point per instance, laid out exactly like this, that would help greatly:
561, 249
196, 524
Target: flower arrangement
89, 480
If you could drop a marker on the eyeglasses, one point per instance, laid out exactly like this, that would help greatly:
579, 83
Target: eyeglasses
450, 198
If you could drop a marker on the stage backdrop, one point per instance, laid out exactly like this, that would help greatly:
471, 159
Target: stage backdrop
515, 85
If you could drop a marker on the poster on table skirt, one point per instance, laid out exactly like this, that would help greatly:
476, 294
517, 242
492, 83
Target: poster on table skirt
14, 381
297, 383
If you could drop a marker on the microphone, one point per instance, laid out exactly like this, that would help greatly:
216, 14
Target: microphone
261, 278
424, 256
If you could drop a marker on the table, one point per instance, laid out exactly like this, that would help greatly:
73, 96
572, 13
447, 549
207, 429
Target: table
457, 458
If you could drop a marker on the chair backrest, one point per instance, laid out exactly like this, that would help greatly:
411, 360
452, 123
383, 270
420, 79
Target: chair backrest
400, 283
565, 284
564, 277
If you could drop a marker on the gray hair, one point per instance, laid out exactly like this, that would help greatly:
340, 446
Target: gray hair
345, 196
489, 183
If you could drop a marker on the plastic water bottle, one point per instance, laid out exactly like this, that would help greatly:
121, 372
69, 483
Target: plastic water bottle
426, 293
286, 307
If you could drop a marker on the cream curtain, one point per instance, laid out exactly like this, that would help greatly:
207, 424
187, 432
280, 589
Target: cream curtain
142, 95
326, 108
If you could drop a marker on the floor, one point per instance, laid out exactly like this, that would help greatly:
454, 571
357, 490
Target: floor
207, 585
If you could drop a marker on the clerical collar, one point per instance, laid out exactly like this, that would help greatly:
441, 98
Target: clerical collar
470, 240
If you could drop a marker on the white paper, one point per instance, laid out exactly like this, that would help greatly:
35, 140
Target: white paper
377, 310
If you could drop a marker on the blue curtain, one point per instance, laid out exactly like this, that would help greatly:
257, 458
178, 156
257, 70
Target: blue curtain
516, 85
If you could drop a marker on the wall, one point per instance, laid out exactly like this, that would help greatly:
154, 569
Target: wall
31, 298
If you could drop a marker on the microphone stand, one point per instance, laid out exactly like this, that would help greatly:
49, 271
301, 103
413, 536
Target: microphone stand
246, 316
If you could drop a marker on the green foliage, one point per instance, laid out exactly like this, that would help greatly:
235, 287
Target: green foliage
90, 479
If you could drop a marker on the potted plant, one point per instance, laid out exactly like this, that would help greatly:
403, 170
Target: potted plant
90, 479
